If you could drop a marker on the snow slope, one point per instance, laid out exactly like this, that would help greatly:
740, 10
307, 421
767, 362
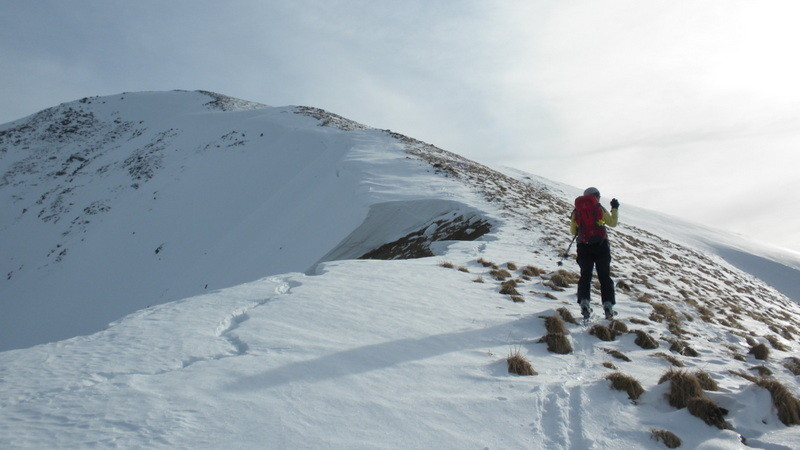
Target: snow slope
325, 350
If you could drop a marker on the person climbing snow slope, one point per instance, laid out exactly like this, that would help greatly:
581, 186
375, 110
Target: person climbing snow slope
588, 223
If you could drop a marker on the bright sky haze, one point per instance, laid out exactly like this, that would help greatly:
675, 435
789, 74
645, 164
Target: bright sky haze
689, 108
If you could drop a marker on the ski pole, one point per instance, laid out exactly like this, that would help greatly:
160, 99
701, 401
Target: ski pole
567, 252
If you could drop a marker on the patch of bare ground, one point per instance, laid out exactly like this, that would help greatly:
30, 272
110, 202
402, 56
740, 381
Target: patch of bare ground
622, 382
668, 438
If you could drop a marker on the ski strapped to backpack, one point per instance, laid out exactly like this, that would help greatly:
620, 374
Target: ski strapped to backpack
589, 217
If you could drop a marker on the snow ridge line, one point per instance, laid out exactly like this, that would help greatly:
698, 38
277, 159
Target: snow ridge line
226, 328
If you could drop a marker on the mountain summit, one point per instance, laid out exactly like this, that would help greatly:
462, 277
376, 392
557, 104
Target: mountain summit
285, 277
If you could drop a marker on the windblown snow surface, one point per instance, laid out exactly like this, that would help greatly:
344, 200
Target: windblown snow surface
223, 239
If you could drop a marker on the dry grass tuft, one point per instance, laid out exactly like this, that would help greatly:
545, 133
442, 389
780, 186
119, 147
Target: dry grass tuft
511, 266
776, 344
644, 340
711, 413
499, 274
486, 263
532, 271
669, 358
602, 332
447, 265
609, 365
787, 404
563, 278
706, 382
617, 326
639, 321
746, 376
793, 365
518, 364
683, 387
622, 382
623, 286
617, 354
463, 269
682, 348
517, 299
763, 371
668, 438
760, 351
509, 288
557, 343
566, 315
478, 280
554, 324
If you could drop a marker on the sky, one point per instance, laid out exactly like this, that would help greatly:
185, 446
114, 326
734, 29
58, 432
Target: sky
684, 107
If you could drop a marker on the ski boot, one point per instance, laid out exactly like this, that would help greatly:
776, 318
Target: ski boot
608, 309
586, 310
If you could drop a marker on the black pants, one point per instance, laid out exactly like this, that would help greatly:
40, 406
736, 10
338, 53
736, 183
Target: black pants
599, 256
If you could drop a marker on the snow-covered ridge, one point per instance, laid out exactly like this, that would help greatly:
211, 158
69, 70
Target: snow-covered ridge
354, 353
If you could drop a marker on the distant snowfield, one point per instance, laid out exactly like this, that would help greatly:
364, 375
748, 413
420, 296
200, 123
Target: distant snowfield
354, 353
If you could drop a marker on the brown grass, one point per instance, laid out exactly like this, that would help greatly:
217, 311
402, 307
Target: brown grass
787, 404
617, 354
708, 411
602, 332
463, 269
554, 324
499, 274
669, 358
478, 280
517, 364
617, 326
682, 348
532, 271
609, 365
557, 343
776, 343
622, 382
486, 263
447, 265
563, 278
566, 315
644, 340
509, 288
746, 376
668, 438
763, 371
706, 382
683, 387
792, 364
760, 351
518, 299
511, 266
639, 321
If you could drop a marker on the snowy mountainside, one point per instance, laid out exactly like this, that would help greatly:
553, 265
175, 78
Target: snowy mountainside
119, 203
334, 351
